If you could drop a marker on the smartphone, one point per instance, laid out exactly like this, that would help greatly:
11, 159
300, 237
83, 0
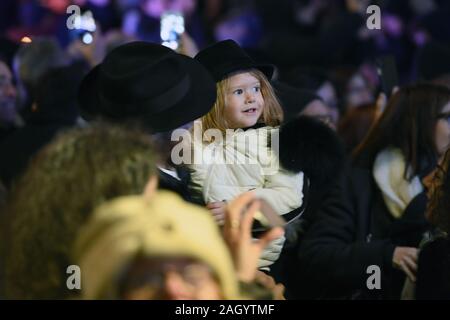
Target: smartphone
387, 71
266, 218
172, 26
85, 28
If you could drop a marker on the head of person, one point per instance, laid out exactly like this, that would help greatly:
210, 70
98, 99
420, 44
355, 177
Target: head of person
245, 96
8, 111
316, 80
56, 96
416, 121
33, 60
358, 91
67, 179
133, 248
355, 125
296, 102
148, 84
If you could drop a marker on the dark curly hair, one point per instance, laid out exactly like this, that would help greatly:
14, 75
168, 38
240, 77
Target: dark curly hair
438, 210
79, 170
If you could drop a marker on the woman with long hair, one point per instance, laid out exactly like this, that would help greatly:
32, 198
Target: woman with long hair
365, 219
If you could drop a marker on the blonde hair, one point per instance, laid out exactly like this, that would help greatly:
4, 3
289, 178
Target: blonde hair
272, 114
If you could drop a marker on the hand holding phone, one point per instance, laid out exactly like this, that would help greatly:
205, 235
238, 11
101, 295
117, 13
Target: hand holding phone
237, 232
172, 26
266, 218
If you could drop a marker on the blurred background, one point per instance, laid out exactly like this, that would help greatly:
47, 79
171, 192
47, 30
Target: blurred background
322, 46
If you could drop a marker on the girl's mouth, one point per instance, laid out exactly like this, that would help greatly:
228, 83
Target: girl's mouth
250, 110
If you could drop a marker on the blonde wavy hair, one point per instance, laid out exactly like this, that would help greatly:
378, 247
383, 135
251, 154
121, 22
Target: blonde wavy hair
272, 114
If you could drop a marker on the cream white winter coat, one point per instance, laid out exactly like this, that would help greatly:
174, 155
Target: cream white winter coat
244, 161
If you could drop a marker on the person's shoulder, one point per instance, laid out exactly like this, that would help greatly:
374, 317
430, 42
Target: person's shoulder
439, 244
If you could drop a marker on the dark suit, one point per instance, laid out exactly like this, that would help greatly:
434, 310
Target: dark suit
168, 182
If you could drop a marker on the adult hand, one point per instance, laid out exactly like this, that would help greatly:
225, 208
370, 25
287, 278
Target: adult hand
93, 52
188, 47
405, 259
237, 232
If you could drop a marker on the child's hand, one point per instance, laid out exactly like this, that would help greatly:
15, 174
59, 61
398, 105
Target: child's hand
218, 211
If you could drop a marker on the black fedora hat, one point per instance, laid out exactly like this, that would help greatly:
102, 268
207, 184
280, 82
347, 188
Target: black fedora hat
226, 57
148, 83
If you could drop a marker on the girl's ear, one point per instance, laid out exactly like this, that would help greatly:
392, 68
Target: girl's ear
151, 186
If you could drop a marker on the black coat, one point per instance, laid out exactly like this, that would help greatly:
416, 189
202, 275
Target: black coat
350, 232
433, 275
180, 187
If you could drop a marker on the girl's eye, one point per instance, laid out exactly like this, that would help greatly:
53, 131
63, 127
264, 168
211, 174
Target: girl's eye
257, 89
238, 91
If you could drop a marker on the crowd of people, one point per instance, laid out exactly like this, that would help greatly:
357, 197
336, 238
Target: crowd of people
163, 173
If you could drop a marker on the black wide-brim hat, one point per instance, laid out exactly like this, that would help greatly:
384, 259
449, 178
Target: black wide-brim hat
147, 83
226, 57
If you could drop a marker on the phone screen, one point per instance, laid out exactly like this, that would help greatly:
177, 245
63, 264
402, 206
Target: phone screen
85, 28
172, 26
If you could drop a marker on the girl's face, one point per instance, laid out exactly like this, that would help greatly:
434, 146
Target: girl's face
244, 102
442, 131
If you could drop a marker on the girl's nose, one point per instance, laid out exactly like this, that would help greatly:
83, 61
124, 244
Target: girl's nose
250, 98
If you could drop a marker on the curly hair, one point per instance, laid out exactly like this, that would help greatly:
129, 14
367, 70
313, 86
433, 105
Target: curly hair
438, 209
79, 170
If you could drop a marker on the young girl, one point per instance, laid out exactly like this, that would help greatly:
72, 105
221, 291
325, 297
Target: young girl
247, 115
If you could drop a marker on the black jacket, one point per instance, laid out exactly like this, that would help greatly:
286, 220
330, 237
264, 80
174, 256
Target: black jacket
352, 230
349, 233
433, 275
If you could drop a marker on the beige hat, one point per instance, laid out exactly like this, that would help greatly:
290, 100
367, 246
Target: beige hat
163, 226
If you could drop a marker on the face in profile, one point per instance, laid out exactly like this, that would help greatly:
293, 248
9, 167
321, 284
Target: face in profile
358, 92
318, 110
442, 131
169, 279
